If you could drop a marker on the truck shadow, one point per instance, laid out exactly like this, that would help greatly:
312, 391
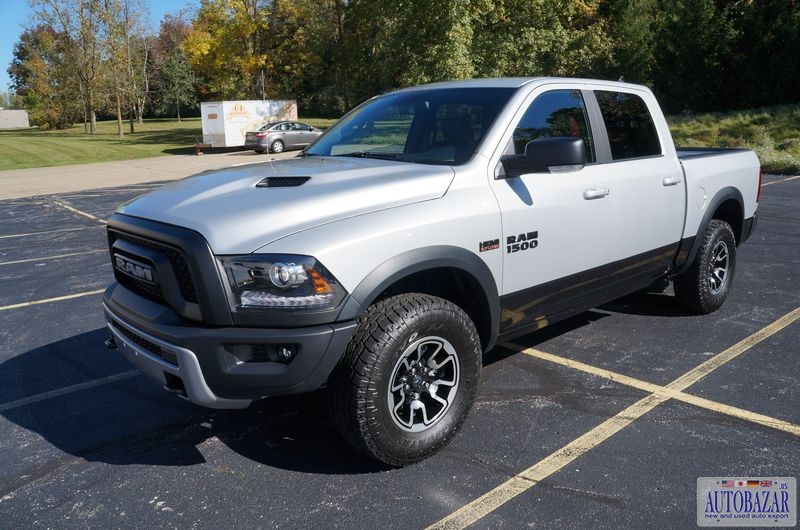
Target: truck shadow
648, 303
651, 302
60, 392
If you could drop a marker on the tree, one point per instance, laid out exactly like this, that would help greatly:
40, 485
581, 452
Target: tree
175, 81
42, 79
693, 37
762, 64
81, 23
10, 100
177, 84
393, 44
633, 29
390, 44
226, 46
300, 48
540, 37
125, 62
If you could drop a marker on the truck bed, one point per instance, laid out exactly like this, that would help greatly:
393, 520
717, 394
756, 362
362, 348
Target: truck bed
688, 153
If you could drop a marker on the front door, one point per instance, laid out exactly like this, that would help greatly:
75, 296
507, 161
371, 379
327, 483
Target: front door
558, 228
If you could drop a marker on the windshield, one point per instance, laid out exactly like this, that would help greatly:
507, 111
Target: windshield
433, 126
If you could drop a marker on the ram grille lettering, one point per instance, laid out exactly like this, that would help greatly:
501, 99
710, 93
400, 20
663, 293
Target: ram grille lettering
135, 269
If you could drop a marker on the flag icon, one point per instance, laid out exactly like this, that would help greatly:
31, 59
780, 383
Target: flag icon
727, 483
766, 483
740, 483
753, 483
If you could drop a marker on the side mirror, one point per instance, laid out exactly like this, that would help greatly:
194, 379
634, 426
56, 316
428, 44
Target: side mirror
546, 155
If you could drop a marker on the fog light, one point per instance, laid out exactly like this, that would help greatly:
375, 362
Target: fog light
286, 353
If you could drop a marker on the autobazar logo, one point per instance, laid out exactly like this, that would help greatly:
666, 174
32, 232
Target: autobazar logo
764, 501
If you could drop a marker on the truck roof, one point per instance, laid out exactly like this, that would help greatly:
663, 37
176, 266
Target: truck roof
516, 82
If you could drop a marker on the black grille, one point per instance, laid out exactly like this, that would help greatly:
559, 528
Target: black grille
147, 289
176, 259
145, 344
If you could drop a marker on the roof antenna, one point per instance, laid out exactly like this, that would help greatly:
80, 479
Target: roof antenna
621, 79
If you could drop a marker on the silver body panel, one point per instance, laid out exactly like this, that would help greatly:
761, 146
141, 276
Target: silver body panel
355, 215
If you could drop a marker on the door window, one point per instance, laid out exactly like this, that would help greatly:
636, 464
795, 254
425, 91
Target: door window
557, 113
630, 127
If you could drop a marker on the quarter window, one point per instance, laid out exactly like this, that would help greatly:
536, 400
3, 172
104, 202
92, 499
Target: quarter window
630, 127
553, 114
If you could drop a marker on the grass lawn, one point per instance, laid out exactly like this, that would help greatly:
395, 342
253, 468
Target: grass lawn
774, 133
25, 148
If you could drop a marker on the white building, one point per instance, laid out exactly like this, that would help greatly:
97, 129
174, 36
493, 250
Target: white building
14, 119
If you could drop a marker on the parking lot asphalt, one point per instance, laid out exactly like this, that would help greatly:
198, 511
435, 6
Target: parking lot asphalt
605, 420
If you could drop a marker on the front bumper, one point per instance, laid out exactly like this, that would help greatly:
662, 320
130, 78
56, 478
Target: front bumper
205, 364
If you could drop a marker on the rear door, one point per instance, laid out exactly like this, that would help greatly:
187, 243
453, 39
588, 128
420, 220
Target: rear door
649, 188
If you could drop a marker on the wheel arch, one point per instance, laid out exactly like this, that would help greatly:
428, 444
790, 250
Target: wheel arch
727, 205
448, 272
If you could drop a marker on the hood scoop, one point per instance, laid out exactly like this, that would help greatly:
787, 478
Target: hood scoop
282, 182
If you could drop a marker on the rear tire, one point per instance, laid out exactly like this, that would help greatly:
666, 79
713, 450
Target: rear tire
704, 287
407, 379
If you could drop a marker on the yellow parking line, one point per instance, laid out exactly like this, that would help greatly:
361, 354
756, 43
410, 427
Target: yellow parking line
59, 256
677, 395
522, 482
779, 181
47, 232
556, 461
48, 300
67, 390
75, 210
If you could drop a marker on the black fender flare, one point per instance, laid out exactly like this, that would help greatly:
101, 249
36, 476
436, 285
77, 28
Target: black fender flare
724, 194
419, 260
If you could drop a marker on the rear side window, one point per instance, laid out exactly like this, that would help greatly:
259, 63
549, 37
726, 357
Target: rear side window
630, 127
555, 113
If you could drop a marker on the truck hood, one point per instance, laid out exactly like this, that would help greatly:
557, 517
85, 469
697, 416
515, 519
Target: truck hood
236, 217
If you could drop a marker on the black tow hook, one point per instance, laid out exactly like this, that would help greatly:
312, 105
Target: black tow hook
111, 343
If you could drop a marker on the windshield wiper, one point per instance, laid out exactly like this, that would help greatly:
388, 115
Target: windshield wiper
371, 154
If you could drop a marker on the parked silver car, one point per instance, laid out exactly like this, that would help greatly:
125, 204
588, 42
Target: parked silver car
276, 137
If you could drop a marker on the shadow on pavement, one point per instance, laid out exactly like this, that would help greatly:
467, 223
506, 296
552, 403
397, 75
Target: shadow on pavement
133, 421
648, 304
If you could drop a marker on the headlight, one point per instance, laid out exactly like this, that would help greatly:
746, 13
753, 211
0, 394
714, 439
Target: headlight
280, 282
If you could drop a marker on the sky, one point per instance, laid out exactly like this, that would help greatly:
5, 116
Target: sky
15, 15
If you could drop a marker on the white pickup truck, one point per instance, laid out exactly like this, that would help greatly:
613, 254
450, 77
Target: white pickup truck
421, 229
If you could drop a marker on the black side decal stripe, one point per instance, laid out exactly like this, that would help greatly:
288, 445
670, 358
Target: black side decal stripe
540, 305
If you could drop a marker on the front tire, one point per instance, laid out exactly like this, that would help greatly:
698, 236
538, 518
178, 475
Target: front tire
277, 146
407, 379
705, 286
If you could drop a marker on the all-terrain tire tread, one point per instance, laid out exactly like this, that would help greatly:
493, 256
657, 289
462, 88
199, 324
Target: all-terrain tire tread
691, 288
348, 400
